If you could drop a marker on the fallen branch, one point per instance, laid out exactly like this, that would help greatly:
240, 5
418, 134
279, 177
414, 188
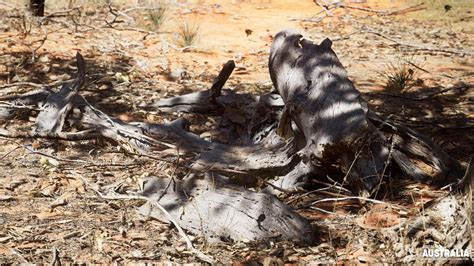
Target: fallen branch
418, 46
53, 115
60, 13
339, 4
422, 98
219, 211
31, 84
55, 258
412, 8
76, 136
360, 199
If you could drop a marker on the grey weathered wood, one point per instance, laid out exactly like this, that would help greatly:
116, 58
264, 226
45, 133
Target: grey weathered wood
445, 223
255, 159
202, 102
51, 118
294, 179
342, 135
175, 132
18, 103
220, 80
326, 108
220, 212
317, 92
199, 102
412, 150
128, 136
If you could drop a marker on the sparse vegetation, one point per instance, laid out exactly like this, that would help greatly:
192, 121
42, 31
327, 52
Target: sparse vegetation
188, 34
399, 76
150, 65
23, 25
157, 16
448, 9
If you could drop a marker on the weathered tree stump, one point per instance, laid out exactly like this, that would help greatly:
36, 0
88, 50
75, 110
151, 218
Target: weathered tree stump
343, 137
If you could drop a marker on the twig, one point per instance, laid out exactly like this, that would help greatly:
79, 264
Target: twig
42, 41
418, 46
140, 8
357, 198
387, 162
53, 223
423, 97
311, 192
58, 14
52, 84
55, 260
189, 244
72, 234
417, 67
345, 37
325, 8
21, 84
111, 10
20, 106
23, 260
172, 180
386, 12
9, 6
81, 135
466, 181
8, 153
89, 164
147, 33
333, 185
321, 210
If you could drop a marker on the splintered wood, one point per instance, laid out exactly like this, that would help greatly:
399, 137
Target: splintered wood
315, 126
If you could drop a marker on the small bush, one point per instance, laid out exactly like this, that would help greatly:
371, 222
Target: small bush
399, 77
157, 16
188, 34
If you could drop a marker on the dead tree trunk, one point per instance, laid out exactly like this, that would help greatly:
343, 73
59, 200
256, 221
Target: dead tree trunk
342, 136
37, 7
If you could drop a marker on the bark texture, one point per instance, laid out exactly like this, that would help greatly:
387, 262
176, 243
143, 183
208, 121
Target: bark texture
342, 136
222, 212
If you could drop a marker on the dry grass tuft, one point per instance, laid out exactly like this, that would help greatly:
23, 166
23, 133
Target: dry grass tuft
157, 16
188, 34
399, 76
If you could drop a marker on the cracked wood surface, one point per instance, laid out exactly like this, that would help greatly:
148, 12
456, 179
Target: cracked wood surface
222, 212
343, 137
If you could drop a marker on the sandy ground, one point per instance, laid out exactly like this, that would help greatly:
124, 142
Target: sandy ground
45, 206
